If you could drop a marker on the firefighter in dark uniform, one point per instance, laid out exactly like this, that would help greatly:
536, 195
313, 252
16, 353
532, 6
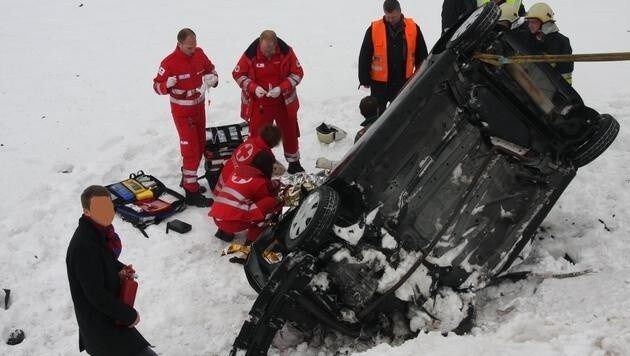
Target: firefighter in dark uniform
393, 48
454, 10
546, 38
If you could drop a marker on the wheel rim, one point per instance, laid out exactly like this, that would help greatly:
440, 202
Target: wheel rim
304, 215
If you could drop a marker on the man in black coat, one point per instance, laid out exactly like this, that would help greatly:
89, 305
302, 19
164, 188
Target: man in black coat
106, 325
393, 48
454, 10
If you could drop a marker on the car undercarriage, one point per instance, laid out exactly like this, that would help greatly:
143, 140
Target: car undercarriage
438, 199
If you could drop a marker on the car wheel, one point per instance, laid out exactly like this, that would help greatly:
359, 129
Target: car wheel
604, 135
313, 220
474, 29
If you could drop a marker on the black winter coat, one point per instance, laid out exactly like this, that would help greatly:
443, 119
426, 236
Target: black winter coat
552, 43
396, 54
396, 60
95, 286
557, 43
454, 10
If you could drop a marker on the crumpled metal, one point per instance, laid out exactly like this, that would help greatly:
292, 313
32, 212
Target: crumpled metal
291, 195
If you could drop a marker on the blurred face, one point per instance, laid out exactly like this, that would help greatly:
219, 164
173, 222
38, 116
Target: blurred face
101, 210
393, 17
534, 25
267, 47
188, 46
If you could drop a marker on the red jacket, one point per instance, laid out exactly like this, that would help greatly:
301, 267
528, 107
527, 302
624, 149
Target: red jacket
283, 70
242, 155
189, 72
247, 196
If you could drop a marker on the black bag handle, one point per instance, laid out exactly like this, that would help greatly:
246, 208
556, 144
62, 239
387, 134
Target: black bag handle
137, 174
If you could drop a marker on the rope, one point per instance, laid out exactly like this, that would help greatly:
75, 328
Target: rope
499, 60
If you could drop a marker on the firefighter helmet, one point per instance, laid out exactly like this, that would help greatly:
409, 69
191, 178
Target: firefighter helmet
508, 12
540, 11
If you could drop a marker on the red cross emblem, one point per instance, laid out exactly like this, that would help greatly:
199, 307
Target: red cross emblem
245, 152
237, 180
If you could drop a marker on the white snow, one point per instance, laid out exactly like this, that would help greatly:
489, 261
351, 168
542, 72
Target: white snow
419, 282
388, 240
77, 108
351, 234
392, 275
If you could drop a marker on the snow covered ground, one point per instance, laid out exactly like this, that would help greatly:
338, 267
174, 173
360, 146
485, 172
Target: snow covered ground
77, 108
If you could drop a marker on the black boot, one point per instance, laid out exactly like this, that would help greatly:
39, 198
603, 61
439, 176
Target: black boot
225, 236
197, 199
295, 167
201, 190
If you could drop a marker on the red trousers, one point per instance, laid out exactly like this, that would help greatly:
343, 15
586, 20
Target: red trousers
192, 140
267, 114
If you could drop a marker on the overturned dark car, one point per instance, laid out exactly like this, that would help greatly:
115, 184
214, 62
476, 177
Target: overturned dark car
437, 200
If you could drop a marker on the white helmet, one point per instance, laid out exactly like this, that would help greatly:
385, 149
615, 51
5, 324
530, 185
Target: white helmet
540, 11
508, 12
329, 133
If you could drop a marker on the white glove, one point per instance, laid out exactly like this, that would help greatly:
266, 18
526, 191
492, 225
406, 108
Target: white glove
274, 92
278, 169
210, 80
171, 81
260, 92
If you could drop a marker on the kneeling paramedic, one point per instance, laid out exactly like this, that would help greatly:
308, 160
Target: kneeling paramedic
248, 200
268, 137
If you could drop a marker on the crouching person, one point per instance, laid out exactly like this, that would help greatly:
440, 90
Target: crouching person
370, 112
248, 199
106, 324
268, 137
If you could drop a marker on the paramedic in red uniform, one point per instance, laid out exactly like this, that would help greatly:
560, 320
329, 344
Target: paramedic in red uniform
268, 73
268, 137
186, 75
248, 200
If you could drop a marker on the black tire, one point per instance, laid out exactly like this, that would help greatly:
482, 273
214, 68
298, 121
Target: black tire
604, 135
474, 28
313, 220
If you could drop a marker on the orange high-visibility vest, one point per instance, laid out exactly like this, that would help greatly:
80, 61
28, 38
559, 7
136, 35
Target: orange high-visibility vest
379, 57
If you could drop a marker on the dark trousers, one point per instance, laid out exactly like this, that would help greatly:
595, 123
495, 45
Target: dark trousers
384, 93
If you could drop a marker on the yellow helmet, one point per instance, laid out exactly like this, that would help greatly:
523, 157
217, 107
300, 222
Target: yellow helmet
508, 12
540, 11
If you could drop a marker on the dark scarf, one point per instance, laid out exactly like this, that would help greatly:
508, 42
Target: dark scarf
113, 240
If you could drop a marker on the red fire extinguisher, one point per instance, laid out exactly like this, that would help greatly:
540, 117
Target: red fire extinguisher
128, 285
128, 289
